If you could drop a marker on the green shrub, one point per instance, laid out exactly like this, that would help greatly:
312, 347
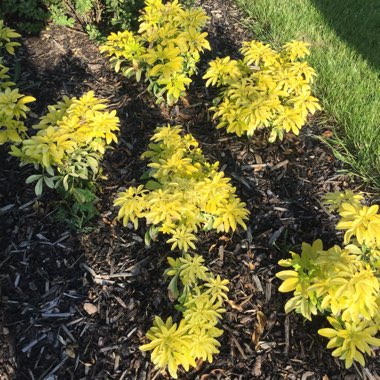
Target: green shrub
200, 299
97, 17
184, 193
69, 145
29, 16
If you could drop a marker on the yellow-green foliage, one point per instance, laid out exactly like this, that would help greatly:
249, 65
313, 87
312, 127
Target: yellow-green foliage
265, 89
12, 104
343, 282
166, 48
185, 192
71, 140
201, 303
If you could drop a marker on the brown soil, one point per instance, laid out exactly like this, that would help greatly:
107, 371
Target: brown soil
51, 277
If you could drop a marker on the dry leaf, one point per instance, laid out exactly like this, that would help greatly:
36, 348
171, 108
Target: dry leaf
259, 327
70, 352
234, 306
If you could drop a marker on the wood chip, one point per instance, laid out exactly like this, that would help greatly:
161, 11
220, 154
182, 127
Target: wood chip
257, 366
4, 210
90, 308
55, 315
287, 334
33, 343
238, 346
279, 165
257, 284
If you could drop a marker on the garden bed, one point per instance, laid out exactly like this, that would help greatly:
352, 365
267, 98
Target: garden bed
76, 304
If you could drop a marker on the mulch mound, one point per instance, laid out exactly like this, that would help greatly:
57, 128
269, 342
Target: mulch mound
76, 304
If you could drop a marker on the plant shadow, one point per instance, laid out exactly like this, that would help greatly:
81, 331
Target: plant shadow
56, 310
356, 23
26, 16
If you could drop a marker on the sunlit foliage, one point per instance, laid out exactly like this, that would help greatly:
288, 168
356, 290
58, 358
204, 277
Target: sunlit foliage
342, 282
165, 50
185, 193
264, 89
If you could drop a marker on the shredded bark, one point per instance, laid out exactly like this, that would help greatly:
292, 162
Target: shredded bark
77, 304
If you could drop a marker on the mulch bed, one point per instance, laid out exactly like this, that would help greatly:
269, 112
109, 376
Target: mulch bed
77, 304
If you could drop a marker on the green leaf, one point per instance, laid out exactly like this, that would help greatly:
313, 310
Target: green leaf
117, 65
173, 291
83, 174
49, 182
50, 170
93, 164
153, 232
153, 185
39, 186
145, 175
273, 136
147, 238
127, 71
82, 195
65, 182
292, 304
33, 178
328, 333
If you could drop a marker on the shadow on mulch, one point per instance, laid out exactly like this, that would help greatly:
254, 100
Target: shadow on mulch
55, 308
76, 305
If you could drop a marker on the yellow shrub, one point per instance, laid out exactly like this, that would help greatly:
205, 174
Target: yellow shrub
166, 48
200, 298
71, 140
184, 194
12, 103
343, 282
265, 89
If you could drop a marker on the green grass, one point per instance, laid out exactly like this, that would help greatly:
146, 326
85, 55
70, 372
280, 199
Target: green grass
345, 38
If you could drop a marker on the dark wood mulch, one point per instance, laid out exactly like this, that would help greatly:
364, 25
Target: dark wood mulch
77, 304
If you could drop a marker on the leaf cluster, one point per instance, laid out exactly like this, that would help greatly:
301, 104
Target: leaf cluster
13, 106
264, 89
342, 282
165, 50
184, 193
200, 299
29, 16
96, 17
71, 140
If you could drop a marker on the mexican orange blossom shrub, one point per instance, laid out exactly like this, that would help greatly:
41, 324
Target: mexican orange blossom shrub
341, 282
264, 89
